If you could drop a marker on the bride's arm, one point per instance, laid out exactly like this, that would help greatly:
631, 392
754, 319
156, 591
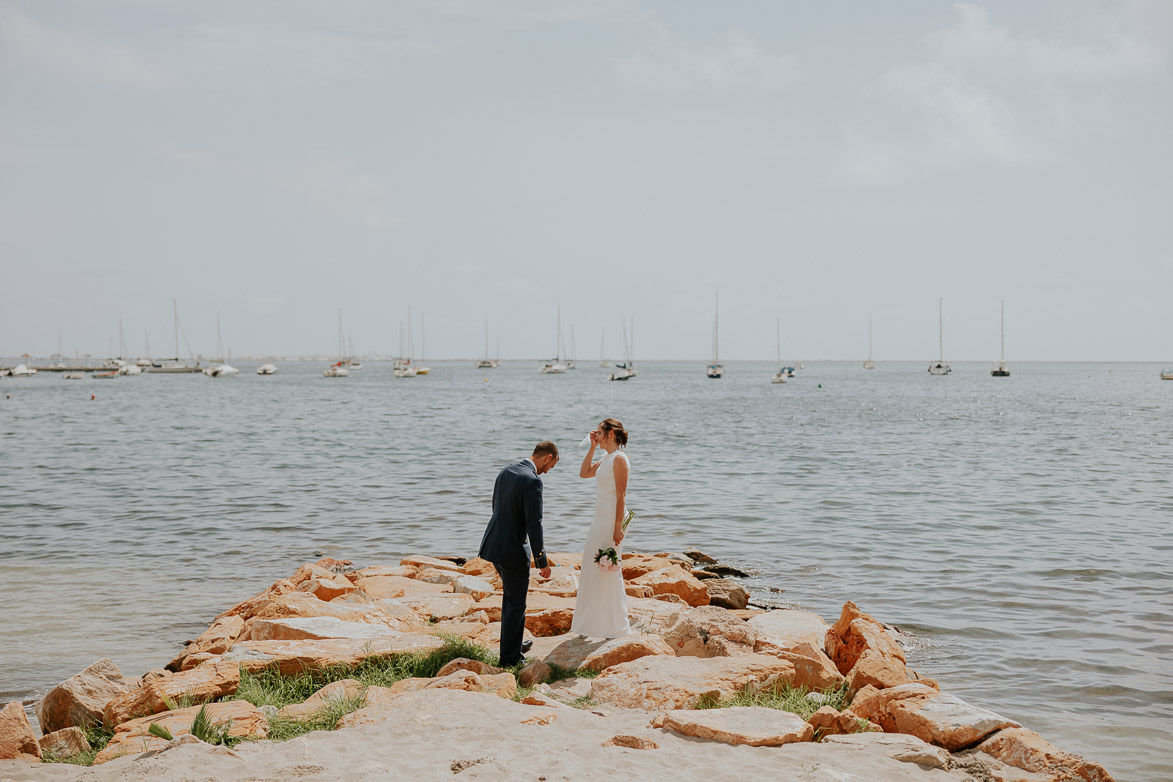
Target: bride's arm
620, 467
588, 470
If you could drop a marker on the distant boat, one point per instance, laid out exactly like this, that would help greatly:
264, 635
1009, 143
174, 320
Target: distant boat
105, 375
423, 369
869, 364
220, 368
555, 366
626, 370
267, 369
716, 369
125, 368
1167, 374
339, 368
175, 366
1001, 370
570, 361
22, 370
781, 375
940, 367
486, 362
74, 375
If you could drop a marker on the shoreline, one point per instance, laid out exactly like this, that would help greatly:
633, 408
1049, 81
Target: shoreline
698, 644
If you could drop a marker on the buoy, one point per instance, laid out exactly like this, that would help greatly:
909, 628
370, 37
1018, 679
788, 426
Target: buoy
92, 397
820, 385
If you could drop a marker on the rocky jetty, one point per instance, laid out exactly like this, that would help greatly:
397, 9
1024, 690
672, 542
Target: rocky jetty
341, 673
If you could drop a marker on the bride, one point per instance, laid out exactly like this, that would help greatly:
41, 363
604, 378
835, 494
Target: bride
601, 610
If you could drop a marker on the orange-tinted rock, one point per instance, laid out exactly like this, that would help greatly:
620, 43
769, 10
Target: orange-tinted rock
438, 608
17, 740
503, 685
652, 616
946, 721
308, 572
661, 682
479, 567
327, 588
830, 722
561, 585
753, 726
534, 673
669, 597
906, 749
134, 737
204, 683
880, 671
726, 593
812, 669
382, 587
248, 608
544, 614
215, 640
637, 590
677, 581
80, 699
421, 562
352, 607
854, 633
64, 743
336, 566
786, 628
631, 742
465, 664
598, 655
876, 705
434, 576
401, 571
292, 657
710, 632
314, 627
637, 565
334, 692
1029, 751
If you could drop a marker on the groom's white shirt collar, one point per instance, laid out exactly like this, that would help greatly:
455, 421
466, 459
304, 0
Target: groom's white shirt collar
532, 462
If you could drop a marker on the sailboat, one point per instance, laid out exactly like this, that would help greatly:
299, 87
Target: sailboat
403, 367
940, 368
781, 375
555, 366
423, 369
603, 362
125, 367
1167, 374
175, 366
626, 370
1001, 370
573, 350
220, 369
350, 362
486, 362
339, 368
715, 370
268, 368
869, 364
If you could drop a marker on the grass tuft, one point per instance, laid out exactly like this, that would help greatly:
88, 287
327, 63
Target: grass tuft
783, 698
326, 718
97, 735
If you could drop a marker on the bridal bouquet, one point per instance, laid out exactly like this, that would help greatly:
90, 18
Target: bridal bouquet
608, 558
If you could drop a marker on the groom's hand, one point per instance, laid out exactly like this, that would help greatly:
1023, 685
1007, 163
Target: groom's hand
545, 572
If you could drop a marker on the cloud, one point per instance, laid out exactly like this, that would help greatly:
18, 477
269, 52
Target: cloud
64, 51
340, 187
734, 62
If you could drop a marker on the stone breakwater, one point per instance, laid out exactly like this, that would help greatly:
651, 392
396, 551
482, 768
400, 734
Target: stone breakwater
697, 642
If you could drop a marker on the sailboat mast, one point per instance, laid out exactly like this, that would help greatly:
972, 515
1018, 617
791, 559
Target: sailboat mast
869, 338
716, 333
486, 338
175, 309
558, 338
341, 349
423, 339
940, 333
1003, 319
778, 333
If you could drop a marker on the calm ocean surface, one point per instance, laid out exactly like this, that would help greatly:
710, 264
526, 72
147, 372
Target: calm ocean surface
1020, 529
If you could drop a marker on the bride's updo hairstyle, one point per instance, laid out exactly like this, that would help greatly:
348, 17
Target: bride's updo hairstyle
611, 425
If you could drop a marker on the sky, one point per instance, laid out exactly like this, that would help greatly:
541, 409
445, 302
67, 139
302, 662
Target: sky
814, 164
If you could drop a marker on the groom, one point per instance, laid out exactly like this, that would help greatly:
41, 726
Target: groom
517, 512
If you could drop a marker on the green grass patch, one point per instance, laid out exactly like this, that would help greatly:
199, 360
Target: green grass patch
783, 698
560, 673
326, 718
97, 735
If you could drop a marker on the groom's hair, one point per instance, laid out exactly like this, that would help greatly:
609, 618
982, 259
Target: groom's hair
546, 448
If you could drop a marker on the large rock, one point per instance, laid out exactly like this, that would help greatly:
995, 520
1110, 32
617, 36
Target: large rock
1029, 751
247, 609
465, 664
327, 588
906, 749
64, 743
203, 683
564, 584
710, 632
310, 571
382, 587
503, 685
352, 607
422, 562
403, 571
637, 565
17, 740
314, 627
652, 616
544, 614
292, 657
332, 693
751, 725
80, 699
434, 576
577, 652
675, 580
726, 593
134, 737
812, 669
479, 567
830, 722
876, 705
880, 671
786, 628
439, 608
946, 720
217, 639
661, 682
854, 633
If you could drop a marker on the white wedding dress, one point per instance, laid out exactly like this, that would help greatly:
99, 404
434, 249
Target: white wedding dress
601, 610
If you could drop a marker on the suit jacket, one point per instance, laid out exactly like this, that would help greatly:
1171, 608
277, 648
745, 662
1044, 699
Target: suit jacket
517, 512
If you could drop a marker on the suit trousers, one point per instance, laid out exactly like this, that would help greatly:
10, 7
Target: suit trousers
514, 588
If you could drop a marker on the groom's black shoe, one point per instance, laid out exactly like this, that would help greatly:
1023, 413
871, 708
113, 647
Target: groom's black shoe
526, 646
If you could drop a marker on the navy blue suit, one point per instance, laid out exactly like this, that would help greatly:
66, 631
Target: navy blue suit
517, 514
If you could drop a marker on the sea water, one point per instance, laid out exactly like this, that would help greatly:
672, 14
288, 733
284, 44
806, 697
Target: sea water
1018, 529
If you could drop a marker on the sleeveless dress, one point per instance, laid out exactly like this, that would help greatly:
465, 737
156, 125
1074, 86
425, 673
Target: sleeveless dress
601, 610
